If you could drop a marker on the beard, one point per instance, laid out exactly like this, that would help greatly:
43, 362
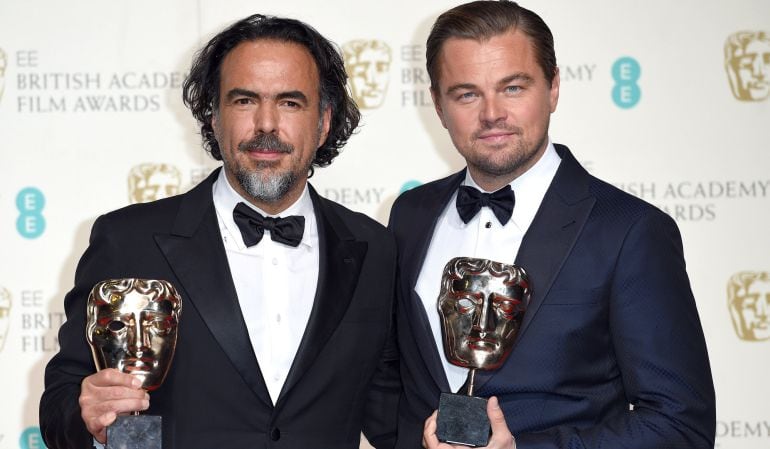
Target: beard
519, 156
263, 183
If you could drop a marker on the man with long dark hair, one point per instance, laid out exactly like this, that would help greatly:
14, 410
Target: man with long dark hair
285, 339
610, 353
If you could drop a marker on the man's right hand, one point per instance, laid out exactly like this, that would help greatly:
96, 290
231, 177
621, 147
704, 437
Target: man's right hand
105, 395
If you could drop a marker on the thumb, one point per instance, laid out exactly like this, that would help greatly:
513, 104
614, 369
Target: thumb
496, 417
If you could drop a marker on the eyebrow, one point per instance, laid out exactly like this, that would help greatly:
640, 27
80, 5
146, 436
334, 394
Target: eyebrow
291, 95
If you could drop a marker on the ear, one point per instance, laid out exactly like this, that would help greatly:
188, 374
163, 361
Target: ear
327, 122
554, 92
436, 97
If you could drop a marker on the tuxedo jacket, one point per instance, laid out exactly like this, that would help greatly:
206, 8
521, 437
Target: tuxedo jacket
344, 378
610, 353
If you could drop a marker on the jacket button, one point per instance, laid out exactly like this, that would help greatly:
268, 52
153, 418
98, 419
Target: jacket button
275, 434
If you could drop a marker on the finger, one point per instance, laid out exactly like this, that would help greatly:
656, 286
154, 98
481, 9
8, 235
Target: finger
501, 435
429, 438
97, 426
111, 377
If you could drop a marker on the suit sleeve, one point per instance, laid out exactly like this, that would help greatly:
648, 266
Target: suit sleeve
381, 418
60, 421
660, 350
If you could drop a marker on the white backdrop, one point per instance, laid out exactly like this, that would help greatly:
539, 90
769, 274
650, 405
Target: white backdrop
90, 91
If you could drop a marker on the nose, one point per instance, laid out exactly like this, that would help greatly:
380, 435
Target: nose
492, 111
763, 304
138, 339
266, 118
485, 321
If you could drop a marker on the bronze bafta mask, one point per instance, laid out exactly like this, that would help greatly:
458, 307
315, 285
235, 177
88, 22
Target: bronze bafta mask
481, 306
132, 326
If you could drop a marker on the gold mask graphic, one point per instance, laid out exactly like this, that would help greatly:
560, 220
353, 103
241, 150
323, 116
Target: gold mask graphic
150, 182
132, 326
368, 65
748, 298
3, 65
747, 61
5, 315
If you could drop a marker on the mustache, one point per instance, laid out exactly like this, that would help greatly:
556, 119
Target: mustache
266, 142
497, 126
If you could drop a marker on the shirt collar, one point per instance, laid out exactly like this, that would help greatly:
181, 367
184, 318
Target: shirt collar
226, 198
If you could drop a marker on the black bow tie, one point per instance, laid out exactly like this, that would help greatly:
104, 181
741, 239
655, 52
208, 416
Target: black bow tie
470, 201
287, 230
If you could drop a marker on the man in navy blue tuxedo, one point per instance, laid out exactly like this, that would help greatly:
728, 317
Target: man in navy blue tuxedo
611, 353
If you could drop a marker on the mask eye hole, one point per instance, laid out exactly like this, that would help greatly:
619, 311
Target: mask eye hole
116, 326
465, 305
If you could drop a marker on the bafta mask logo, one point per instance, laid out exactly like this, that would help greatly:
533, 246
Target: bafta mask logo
748, 297
150, 182
132, 327
747, 61
368, 66
3, 65
5, 315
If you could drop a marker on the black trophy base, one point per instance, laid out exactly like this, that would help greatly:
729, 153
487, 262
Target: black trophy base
135, 432
462, 420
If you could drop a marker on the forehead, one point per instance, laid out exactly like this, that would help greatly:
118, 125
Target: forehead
482, 282
757, 46
134, 301
269, 66
509, 52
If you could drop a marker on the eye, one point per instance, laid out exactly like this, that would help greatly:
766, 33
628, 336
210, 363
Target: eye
467, 97
116, 326
465, 306
513, 89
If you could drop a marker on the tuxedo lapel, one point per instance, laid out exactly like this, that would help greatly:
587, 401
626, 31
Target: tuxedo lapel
194, 239
430, 206
551, 236
341, 258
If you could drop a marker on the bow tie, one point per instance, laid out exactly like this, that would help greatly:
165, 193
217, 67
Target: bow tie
287, 230
470, 201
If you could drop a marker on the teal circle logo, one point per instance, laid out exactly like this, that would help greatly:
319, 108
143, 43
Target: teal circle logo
30, 202
626, 92
409, 185
31, 439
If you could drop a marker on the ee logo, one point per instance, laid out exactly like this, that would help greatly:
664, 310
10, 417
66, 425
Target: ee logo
30, 203
409, 185
31, 439
626, 92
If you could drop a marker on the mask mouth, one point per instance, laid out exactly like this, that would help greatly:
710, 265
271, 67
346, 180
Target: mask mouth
489, 344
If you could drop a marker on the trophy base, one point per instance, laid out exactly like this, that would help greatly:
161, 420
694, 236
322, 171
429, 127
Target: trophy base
135, 432
462, 420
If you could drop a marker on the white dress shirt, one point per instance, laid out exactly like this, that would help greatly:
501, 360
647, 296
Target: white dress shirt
482, 237
275, 283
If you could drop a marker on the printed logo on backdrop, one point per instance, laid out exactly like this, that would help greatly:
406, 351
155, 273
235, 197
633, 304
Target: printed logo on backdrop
626, 92
368, 65
5, 315
31, 438
30, 202
409, 185
730, 431
3, 66
150, 182
42, 88
692, 201
747, 62
355, 196
39, 326
748, 299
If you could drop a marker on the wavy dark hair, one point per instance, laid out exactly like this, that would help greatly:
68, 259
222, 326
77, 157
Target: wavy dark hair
200, 91
484, 19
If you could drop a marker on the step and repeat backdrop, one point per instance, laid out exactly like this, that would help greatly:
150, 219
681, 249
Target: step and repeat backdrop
670, 101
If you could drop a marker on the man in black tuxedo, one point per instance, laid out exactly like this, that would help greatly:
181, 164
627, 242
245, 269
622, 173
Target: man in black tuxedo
611, 353
285, 338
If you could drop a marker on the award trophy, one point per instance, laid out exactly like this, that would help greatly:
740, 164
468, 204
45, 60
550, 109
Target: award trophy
481, 306
132, 326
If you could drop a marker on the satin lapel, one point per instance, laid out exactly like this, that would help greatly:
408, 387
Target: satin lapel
341, 258
551, 236
432, 203
195, 253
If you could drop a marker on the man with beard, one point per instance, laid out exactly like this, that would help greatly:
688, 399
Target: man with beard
610, 352
285, 339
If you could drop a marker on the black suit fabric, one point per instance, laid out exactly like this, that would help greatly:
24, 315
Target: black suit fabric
612, 321
344, 378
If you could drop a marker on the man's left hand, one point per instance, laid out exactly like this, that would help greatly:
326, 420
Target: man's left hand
501, 437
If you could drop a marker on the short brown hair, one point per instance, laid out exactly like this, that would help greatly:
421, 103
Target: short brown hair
483, 19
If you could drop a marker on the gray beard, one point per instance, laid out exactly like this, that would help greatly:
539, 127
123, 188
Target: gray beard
264, 187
